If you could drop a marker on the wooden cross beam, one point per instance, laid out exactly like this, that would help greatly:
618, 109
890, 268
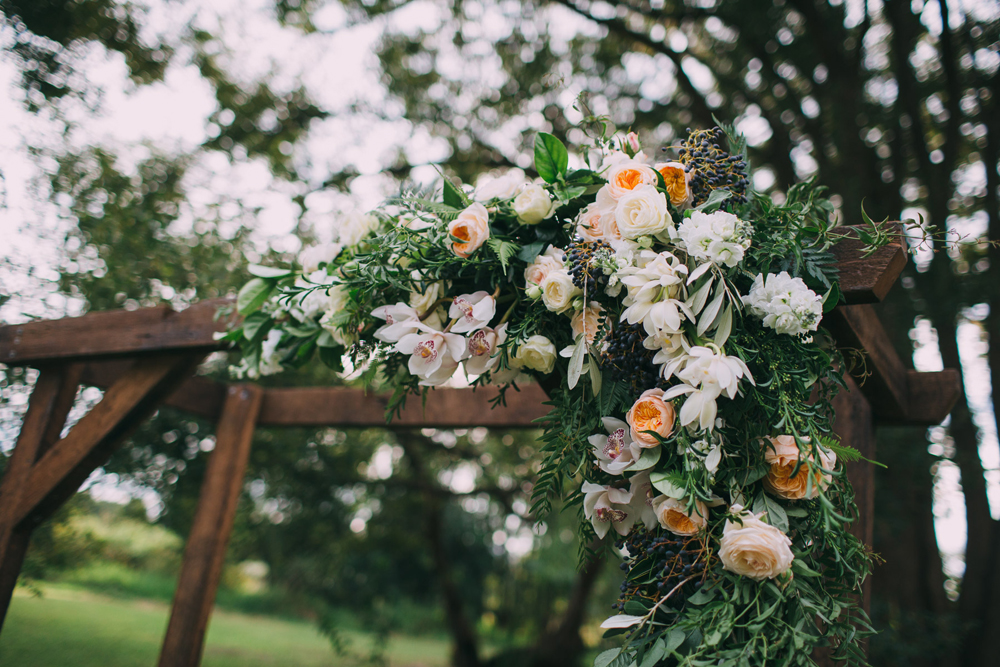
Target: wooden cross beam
147, 357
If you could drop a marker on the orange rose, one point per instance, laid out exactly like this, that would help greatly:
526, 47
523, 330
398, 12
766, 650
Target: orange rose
650, 413
676, 179
627, 176
672, 515
471, 228
783, 455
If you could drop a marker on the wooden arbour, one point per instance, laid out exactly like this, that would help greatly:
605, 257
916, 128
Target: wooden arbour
148, 357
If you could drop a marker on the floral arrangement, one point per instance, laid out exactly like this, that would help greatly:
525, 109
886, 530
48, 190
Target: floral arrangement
673, 316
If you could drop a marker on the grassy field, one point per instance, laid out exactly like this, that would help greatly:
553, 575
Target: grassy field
71, 626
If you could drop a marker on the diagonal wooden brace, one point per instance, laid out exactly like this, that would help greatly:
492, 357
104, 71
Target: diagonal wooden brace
50, 403
205, 551
134, 397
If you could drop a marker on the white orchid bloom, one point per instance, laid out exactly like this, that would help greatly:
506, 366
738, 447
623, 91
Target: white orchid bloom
615, 452
482, 349
608, 507
400, 320
472, 311
434, 356
642, 499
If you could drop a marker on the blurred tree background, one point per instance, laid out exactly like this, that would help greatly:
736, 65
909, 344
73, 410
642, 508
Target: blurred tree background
298, 103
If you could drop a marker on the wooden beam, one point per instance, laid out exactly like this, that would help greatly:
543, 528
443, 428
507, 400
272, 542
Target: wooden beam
204, 553
50, 402
134, 397
868, 279
198, 395
931, 396
445, 408
114, 333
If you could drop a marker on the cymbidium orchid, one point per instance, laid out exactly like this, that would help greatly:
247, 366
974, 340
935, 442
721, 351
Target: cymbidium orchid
608, 507
400, 320
616, 452
482, 349
472, 311
434, 355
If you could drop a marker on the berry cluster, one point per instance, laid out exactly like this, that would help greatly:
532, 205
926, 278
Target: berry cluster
627, 360
658, 563
583, 261
712, 167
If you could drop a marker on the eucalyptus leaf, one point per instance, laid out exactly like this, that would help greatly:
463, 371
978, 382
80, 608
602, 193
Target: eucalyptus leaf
674, 640
649, 457
725, 326
706, 319
714, 201
661, 483
268, 271
700, 297
596, 379
655, 653
576, 361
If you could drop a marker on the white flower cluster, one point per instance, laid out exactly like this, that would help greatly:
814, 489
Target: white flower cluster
785, 304
719, 237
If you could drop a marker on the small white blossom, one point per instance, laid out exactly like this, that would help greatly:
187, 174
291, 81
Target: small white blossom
785, 304
719, 237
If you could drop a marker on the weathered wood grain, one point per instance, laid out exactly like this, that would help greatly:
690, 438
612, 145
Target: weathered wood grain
205, 550
868, 279
197, 395
445, 408
48, 406
134, 397
113, 333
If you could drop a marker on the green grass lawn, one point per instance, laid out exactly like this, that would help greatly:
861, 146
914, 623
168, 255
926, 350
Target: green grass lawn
70, 627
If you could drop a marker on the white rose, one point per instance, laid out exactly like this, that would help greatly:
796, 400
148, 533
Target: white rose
310, 258
755, 549
537, 353
422, 301
558, 291
533, 204
642, 212
505, 186
355, 226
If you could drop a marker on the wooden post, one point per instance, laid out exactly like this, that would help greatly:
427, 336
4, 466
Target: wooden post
213, 522
50, 402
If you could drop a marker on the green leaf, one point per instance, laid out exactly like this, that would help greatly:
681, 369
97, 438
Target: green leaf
504, 250
268, 271
703, 596
608, 658
649, 457
714, 201
453, 195
551, 157
252, 325
656, 653
332, 357
831, 298
576, 362
253, 295
531, 251
674, 640
596, 379
662, 483
775, 513
635, 608
725, 326
803, 569
325, 339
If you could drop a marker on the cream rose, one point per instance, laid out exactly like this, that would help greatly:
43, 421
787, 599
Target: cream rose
755, 549
558, 291
783, 454
504, 186
590, 223
676, 178
674, 516
642, 212
587, 321
422, 301
310, 258
355, 226
471, 228
537, 353
533, 204
650, 413
551, 260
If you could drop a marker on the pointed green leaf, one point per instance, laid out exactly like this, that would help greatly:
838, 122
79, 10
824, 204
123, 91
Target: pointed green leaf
268, 271
551, 157
253, 295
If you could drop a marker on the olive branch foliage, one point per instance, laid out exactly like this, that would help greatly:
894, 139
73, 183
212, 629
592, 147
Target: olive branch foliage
731, 621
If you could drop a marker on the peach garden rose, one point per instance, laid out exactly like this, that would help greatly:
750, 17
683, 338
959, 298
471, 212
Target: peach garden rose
651, 413
674, 516
783, 454
471, 228
754, 549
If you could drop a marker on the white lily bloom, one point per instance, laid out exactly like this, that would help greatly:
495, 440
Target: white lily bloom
608, 507
699, 406
482, 349
434, 355
704, 366
400, 320
653, 289
473, 311
615, 452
